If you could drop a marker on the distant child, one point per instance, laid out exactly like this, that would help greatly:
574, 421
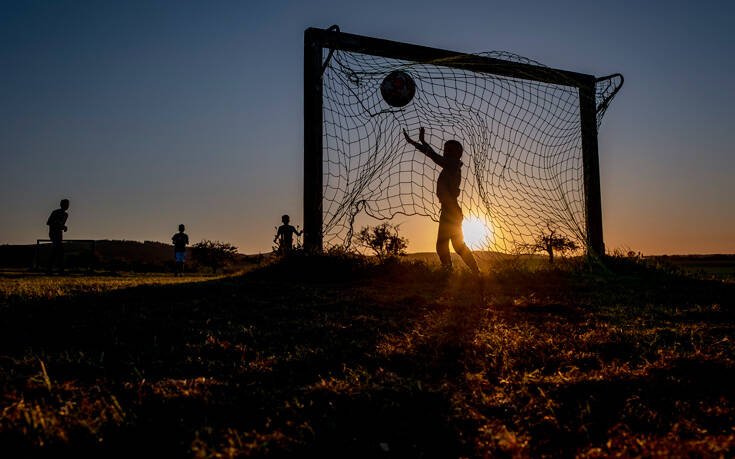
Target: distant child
180, 242
284, 236
56, 227
447, 189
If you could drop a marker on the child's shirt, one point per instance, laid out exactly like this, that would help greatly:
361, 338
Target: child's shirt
447, 185
180, 242
56, 222
285, 233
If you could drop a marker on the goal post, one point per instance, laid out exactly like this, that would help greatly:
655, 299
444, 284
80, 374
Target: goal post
317, 41
313, 151
313, 154
591, 169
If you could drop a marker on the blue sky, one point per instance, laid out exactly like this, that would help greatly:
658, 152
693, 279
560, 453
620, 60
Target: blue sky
149, 114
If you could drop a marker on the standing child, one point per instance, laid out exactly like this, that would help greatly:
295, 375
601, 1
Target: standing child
447, 190
284, 236
56, 227
180, 242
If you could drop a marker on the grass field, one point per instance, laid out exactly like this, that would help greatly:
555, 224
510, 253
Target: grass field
18, 286
716, 266
335, 356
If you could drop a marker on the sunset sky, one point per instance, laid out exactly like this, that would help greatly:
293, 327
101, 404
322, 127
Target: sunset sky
150, 114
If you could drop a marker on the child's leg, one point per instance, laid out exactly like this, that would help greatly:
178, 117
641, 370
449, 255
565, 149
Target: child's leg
442, 243
57, 250
462, 250
60, 254
179, 264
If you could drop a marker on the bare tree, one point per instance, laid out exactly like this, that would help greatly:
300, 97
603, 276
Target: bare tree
550, 242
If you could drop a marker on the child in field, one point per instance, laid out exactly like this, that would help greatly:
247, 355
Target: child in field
284, 236
447, 189
56, 227
180, 240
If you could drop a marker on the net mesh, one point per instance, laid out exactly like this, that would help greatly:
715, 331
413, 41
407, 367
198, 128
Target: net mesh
522, 142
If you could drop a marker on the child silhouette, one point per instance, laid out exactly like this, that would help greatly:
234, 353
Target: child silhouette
56, 227
180, 240
284, 236
447, 190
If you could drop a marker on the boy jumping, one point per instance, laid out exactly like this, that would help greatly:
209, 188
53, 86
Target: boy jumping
284, 236
180, 240
447, 189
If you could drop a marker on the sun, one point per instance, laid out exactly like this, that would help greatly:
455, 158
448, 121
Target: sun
478, 233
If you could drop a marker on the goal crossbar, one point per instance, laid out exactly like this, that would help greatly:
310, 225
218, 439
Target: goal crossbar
331, 39
316, 40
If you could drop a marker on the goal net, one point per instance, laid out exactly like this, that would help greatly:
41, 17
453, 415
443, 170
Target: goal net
522, 139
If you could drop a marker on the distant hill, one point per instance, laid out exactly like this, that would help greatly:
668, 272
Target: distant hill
157, 256
122, 254
717, 265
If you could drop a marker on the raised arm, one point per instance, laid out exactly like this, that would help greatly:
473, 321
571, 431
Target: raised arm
423, 146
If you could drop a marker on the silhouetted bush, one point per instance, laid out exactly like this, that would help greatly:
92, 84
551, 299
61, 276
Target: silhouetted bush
214, 254
383, 240
329, 266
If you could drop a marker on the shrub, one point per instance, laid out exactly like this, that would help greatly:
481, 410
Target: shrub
214, 254
383, 240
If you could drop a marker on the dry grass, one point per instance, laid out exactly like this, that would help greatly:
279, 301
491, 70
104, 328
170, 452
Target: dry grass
21, 286
390, 361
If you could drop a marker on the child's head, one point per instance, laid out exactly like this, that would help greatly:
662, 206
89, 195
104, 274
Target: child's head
285, 219
453, 149
181, 228
64, 204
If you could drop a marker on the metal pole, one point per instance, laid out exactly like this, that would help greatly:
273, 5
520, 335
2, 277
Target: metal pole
35, 256
591, 168
312, 142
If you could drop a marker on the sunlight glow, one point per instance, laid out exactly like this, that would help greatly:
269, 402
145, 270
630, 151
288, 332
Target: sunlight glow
478, 233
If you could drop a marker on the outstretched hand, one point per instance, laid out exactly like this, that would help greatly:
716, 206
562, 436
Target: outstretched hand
422, 146
422, 139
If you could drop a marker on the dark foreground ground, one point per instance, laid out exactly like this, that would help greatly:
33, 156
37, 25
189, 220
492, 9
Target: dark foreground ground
391, 361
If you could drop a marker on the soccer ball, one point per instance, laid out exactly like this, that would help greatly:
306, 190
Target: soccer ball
398, 88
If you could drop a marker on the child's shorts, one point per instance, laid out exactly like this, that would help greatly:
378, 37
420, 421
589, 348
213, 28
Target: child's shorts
180, 257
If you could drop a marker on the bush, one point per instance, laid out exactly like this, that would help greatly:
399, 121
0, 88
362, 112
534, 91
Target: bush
383, 240
213, 254
333, 265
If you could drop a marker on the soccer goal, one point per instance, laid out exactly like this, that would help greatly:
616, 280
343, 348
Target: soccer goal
83, 250
529, 134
